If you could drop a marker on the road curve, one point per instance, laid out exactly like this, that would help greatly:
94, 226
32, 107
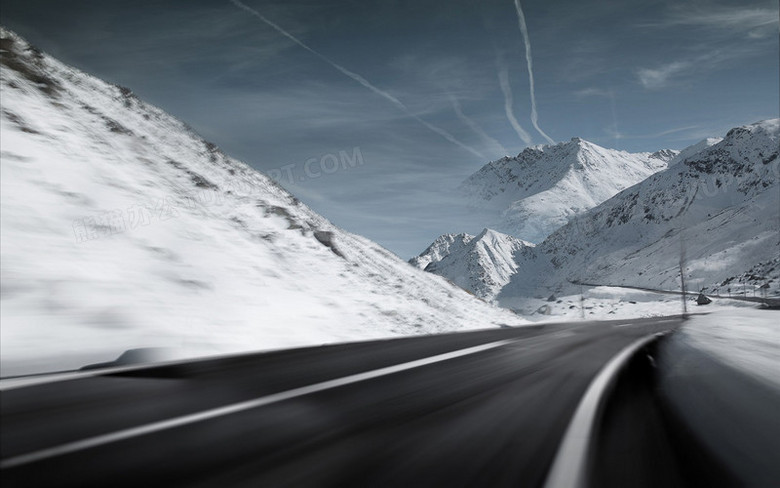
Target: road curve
485, 408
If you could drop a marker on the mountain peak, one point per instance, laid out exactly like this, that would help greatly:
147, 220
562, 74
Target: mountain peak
665, 155
544, 186
481, 264
769, 126
493, 236
440, 247
486, 233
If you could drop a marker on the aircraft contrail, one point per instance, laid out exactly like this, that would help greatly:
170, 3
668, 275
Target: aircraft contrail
529, 61
614, 117
503, 80
360, 80
473, 125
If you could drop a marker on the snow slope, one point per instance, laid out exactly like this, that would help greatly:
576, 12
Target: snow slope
480, 264
542, 188
747, 339
121, 228
723, 203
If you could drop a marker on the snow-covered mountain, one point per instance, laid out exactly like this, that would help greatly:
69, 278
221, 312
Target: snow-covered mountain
481, 264
721, 199
122, 228
440, 248
723, 203
543, 187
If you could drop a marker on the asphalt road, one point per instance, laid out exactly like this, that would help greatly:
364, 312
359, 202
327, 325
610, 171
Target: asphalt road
491, 416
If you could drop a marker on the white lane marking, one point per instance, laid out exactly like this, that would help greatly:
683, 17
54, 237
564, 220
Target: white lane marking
238, 407
569, 467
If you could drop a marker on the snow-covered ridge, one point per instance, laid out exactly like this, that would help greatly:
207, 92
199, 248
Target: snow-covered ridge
543, 187
122, 228
723, 203
695, 149
481, 264
441, 247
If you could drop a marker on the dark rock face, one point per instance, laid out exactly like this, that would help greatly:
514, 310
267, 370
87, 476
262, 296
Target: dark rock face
326, 238
28, 61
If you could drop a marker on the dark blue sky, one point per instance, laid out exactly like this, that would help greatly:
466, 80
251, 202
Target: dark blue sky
638, 75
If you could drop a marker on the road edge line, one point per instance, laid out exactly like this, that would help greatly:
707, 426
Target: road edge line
569, 467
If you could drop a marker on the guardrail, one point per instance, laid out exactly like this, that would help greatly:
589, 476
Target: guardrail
768, 302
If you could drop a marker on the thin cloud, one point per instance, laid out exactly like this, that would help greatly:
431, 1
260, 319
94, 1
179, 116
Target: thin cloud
654, 135
687, 68
730, 18
654, 78
593, 92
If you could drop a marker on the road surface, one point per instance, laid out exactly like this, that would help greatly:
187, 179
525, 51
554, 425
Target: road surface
485, 408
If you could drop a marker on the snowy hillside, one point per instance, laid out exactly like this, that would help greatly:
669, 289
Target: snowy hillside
542, 188
722, 203
121, 228
480, 264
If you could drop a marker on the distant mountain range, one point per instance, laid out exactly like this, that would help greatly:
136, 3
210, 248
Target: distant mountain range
717, 202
